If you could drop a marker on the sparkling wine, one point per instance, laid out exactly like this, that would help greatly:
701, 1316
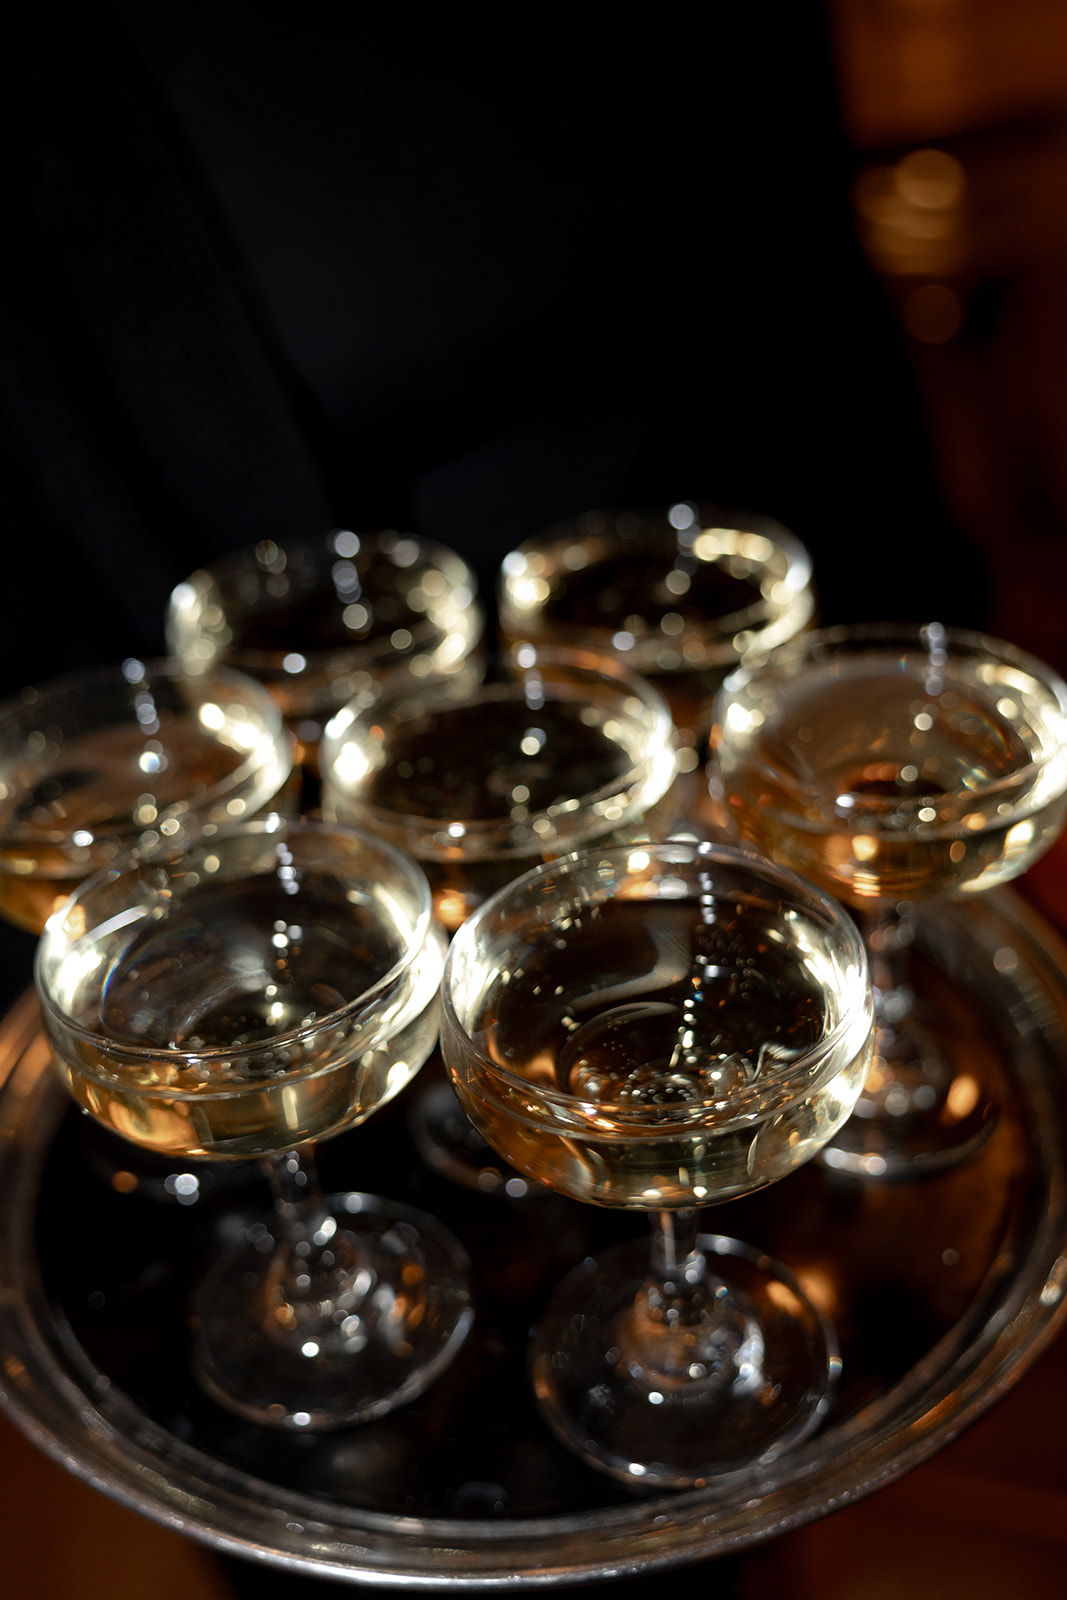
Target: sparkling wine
320, 622
892, 778
676, 596
494, 757
251, 962
646, 593
480, 786
645, 1053
71, 805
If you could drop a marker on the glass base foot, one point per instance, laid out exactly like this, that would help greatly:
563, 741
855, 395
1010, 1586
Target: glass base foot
678, 1407
917, 1113
385, 1312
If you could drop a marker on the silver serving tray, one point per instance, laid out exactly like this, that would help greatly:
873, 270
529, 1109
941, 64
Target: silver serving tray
944, 1291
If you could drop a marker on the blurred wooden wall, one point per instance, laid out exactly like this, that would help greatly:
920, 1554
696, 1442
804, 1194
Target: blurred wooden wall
957, 110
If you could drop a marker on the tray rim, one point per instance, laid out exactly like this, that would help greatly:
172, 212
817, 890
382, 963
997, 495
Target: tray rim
107, 1441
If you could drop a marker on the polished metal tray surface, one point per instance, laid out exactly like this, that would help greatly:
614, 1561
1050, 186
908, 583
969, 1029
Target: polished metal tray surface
943, 1289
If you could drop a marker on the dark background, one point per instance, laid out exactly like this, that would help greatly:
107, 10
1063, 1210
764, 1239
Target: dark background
278, 268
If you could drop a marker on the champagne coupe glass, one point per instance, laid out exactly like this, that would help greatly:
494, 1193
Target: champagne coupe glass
662, 1027
892, 764
321, 621
95, 764
482, 776
681, 595
243, 995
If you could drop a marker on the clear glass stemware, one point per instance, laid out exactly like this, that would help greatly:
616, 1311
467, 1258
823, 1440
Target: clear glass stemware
513, 761
322, 620
243, 995
662, 1028
680, 594
893, 765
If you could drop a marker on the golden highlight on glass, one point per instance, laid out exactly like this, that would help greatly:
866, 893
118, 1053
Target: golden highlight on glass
95, 764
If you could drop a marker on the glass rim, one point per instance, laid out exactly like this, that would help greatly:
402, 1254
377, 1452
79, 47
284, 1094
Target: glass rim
36, 698
318, 545
609, 669
642, 524
214, 576
652, 1121
806, 647
133, 861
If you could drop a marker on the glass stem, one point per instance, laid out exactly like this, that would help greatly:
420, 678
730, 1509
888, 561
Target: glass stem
683, 1327
677, 1287
909, 1073
299, 1205
316, 1275
888, 936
